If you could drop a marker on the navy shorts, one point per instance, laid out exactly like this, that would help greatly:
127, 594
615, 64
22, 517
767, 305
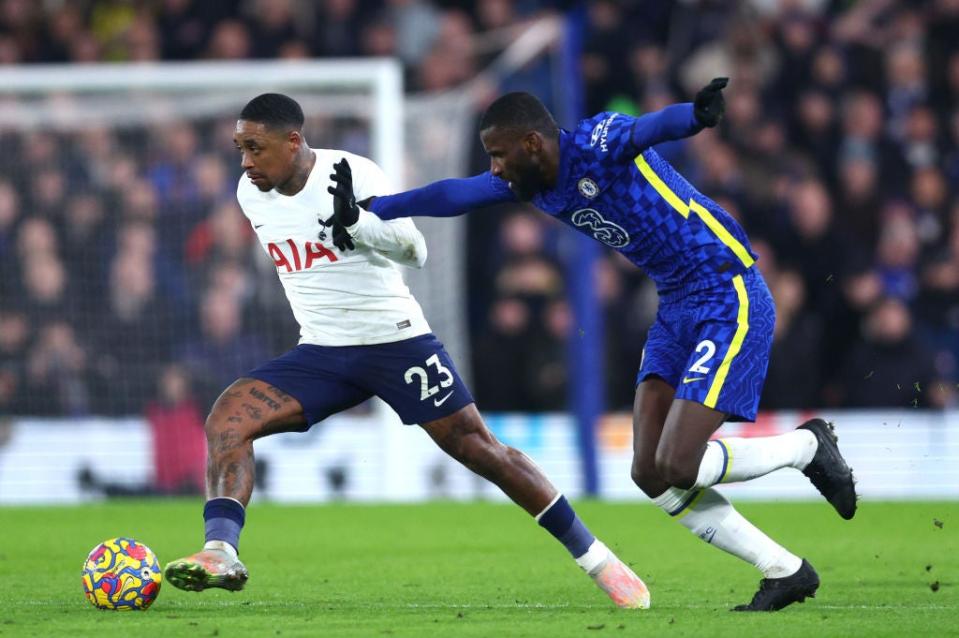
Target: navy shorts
713, 345
416, 377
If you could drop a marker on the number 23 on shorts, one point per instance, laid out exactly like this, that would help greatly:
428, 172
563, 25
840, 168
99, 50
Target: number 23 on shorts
423, 373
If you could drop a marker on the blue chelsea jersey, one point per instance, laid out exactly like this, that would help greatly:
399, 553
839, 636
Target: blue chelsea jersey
642, 207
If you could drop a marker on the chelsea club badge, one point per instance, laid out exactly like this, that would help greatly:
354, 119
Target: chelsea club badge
588, 188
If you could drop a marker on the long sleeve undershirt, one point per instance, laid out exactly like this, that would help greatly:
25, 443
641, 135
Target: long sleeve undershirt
398, 240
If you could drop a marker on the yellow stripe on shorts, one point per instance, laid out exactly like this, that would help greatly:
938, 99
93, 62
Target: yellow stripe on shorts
742, 327
684, 209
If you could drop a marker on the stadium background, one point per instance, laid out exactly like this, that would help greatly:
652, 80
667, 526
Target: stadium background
132, 290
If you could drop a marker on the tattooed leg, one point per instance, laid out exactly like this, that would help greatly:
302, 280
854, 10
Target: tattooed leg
247, 410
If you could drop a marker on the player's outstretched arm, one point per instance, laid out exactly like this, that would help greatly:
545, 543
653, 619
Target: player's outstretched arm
445, 198
680, 120
398, 240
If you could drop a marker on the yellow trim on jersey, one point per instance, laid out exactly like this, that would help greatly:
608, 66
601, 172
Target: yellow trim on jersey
684, 209
664, 191
742, 327
724, 235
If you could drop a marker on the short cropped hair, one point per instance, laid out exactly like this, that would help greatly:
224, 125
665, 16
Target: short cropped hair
521, 112
275, 110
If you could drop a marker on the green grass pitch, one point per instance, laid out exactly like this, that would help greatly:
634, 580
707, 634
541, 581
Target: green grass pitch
450, 569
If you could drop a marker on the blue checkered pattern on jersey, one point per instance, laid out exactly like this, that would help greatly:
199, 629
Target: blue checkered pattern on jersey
602, 192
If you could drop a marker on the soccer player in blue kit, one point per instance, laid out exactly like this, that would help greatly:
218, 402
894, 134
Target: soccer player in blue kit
706, 355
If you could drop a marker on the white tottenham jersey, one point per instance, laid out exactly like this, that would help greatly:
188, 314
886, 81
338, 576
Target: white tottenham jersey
350, 298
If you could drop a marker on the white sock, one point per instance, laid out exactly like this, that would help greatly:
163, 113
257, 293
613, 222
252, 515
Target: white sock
708, 515
594, 557
737, 459
223, 546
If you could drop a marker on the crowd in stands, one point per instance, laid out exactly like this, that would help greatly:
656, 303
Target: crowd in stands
124, 253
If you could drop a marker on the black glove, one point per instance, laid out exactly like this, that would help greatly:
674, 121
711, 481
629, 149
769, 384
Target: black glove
345, 211
709, 105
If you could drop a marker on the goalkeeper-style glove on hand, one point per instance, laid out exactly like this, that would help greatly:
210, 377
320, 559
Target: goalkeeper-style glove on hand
345, 211
709, 105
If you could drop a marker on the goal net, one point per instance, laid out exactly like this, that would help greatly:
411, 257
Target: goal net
122, 245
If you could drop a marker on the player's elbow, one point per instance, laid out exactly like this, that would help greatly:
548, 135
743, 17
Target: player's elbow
416, 253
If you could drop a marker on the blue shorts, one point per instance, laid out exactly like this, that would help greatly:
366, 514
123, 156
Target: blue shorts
713, 345
415, 377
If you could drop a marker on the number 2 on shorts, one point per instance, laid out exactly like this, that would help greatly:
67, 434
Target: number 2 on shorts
710, 349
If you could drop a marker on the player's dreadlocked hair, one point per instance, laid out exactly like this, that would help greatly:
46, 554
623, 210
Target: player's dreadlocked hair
274, 110
521, 112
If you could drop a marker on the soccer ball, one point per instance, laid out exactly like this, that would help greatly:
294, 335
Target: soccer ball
121, 574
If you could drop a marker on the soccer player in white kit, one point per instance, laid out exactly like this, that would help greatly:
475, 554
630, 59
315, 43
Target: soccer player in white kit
361, 334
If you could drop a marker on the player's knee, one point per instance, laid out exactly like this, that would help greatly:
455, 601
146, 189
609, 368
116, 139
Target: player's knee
676, 470
214, 426
647, 479
224, 421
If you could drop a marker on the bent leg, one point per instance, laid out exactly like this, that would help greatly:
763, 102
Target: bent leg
706, 512
687, 430
245, 411
733, 459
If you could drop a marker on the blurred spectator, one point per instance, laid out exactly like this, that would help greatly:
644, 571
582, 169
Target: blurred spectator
547, 369
230, 40
897, 256
273, 26
863, 136
222, 351
45, 287
338, 30
604, 64
793, 378
14, 339
125, 360
811, 243
417, 27
378, 37
182, 29
930, 195
179, 442
224, 236
9, 216
938, 303
499, 357
58, 380
858, 196
891, 368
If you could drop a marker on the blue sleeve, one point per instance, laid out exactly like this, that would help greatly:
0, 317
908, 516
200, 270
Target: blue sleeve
446, 198
624, 137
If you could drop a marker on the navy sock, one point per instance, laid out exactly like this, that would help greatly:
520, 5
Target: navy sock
561, 521
224, 518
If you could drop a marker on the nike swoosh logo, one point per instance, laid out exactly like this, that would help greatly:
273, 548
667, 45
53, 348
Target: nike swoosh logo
255, 226
439, 402
691, 379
